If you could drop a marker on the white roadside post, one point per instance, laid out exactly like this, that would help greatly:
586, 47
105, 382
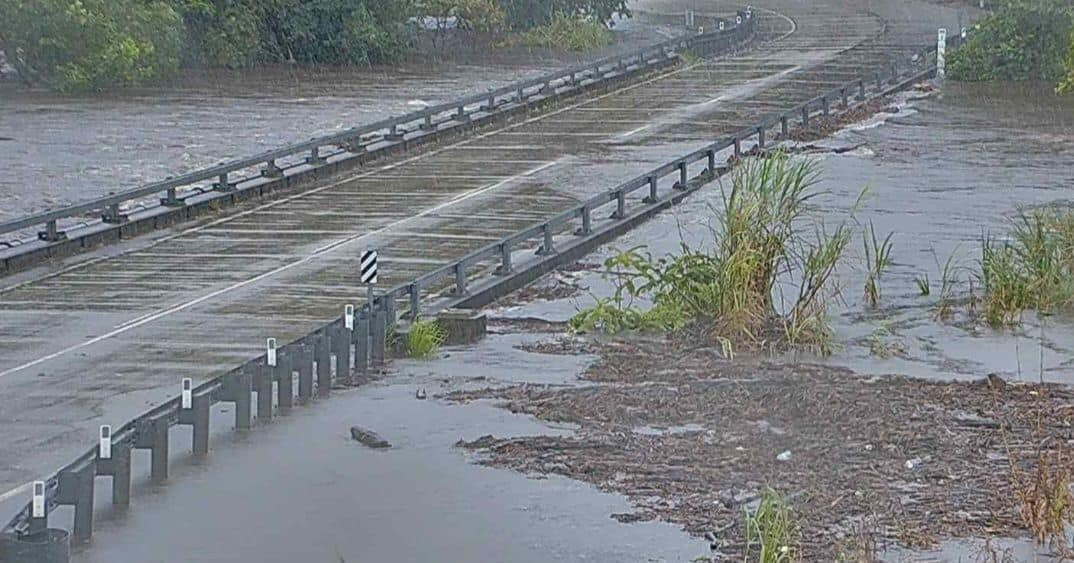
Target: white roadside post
38, 505
186, 399
941, 52
104, 449
270, 352
348, 317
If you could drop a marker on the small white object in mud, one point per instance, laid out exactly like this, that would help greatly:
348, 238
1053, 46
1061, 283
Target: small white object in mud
868, 447
420, 394
417, 104
911, 464
785, 456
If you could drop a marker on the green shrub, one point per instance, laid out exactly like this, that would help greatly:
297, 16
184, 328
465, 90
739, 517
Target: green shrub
1020, 40
1067, 86
527, 14
80, 45
424, 339
567, 33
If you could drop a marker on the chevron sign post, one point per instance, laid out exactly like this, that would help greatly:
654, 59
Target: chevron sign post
369, 267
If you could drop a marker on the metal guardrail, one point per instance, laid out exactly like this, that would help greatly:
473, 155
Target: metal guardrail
376, 136
346, 347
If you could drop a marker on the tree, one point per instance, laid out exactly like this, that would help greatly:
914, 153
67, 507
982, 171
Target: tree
1020, 40
78, 45
1067, 86
527, 14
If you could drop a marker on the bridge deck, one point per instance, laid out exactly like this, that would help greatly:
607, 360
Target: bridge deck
100, 339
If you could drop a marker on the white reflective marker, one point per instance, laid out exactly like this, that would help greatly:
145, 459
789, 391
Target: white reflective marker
38, 510
104, 451
738, 19
941, 52
721, 26
348, 317
271, 352
964, 32
187, 397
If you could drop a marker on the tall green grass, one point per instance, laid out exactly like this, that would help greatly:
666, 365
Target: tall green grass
761, 236
565, 33
771, 531
424, 339
1032, 268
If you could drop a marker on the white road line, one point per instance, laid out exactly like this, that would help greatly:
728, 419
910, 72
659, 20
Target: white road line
16, 491
315, 254
634, 131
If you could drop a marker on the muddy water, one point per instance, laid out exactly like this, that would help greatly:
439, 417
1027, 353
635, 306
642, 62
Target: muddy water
57, 150
941, 172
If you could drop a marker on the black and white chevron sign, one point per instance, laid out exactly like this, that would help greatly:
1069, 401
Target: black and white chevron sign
369, 267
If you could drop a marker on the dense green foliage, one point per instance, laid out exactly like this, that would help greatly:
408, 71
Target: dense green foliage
1020, 40
90, 44
74, 45
566, 33
1067, 86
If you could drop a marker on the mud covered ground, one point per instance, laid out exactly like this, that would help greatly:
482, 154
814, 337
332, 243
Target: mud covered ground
866, 462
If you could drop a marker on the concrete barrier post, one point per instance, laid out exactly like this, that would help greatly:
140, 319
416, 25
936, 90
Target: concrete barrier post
241, 387
194, 412
784, 126
547, 246
342, 341
620, 205
653, 196
760, 136
683, 181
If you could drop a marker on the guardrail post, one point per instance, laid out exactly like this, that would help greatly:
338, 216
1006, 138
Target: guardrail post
238, 388
285, 382
271, 170
263, 387
51, 232
879, 82
304, 359
378, 330
941, 53
342, 341
760, 136
39, 508
547, 248
861, 89
587, 222
461, 115
846, 99
413, 293
116, 465
113, 215
805, 115
738, 147
76, 489
222, 184
152, 435
683, 181
460, 279
170, 199
361, 342
521, 94
825, 105
315, 158
652, 197
505, 267
194, 411
894, 73
620, 205
322, 350
784, 126
711, 164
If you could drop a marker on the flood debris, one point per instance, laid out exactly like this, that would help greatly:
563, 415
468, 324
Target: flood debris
368, 438
920, 461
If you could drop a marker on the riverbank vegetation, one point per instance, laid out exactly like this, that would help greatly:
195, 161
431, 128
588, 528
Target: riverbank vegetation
763, 236
88, 45
1020, 40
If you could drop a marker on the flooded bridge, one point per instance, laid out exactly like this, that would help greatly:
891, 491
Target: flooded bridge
98, 337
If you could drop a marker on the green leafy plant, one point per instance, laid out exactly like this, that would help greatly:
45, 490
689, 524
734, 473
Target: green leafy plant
424, 339
1019, 40
758, 238
568, 33
877, 259
771, 531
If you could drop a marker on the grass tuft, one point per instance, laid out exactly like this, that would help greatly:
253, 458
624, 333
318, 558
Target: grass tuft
424, 339
771, 531
565, 33
877, 259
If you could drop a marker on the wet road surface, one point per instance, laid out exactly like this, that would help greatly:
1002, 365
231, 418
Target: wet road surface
106, 336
